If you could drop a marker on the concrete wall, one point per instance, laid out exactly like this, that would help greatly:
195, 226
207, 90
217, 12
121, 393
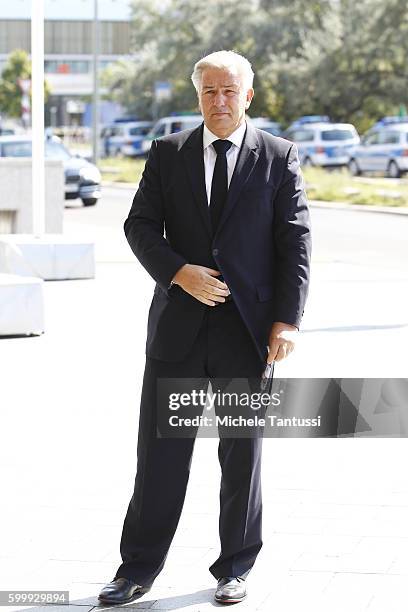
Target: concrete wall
15, 196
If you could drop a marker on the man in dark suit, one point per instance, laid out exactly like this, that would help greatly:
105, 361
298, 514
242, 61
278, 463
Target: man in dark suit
221, 223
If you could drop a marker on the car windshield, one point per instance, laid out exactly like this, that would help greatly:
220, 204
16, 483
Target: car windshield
16, 149
337, 135
191, 124
160, 130
56, 150
139, 131
271, 130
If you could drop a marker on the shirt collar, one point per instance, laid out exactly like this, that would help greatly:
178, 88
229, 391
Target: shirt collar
236, 137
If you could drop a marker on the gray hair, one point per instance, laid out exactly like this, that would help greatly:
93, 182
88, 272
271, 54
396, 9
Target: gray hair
227, 60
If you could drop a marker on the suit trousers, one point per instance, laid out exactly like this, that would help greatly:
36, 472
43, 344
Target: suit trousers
223, 348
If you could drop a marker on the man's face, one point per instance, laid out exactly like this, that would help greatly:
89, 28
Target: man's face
223, 100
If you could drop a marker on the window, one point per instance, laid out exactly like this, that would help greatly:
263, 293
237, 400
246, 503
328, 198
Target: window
176, 126
303, 136
66, 36
160, 130
14, 34
67, 67
371, 139
389, 137
138, 131
336, 135
76, 37
191, 124
271, 130
16, 149
56, 150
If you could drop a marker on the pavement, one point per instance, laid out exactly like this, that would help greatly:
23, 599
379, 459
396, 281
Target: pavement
335, 510
390, 210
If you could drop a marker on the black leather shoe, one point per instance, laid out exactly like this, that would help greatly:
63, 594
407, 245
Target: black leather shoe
121, 590
230, 590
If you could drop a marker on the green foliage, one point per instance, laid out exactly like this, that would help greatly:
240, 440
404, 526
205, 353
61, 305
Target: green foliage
340, 186
122, 170
18, 66
343, 58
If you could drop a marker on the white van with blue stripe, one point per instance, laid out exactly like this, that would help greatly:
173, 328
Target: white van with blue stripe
323, 143
384, 149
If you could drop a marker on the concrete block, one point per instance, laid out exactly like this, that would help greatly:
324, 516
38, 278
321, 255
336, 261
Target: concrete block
15, 187
50, 256
21, 305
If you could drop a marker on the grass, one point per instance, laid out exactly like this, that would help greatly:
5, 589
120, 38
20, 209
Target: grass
332, 186
124, 170
340, 186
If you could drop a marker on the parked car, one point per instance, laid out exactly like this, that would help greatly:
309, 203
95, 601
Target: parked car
6, 131
82, 179
272, 127
170, 125
10, 126
323, 144
391, 120
307, 119
383, 149
124, 138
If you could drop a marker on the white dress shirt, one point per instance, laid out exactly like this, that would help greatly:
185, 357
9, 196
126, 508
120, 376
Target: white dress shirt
210, 154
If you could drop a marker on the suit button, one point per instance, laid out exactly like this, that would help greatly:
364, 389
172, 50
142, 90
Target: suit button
215, 252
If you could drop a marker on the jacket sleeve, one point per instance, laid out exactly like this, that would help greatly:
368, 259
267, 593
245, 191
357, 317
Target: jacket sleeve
292, 240
144, 226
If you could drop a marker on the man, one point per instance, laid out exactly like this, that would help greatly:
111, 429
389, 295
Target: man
232, 275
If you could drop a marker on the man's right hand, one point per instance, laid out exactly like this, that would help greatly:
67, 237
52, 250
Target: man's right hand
200, 282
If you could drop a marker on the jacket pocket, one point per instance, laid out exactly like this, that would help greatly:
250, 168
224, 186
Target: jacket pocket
264, 292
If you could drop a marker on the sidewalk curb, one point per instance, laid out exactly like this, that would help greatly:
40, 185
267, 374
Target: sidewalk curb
359, 207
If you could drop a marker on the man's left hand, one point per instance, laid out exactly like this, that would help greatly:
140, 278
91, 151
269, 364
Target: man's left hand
281, 341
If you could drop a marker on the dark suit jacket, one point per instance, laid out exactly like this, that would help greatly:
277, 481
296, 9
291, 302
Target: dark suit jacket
262, 244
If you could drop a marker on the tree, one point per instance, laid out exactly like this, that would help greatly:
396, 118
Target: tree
170, 37
353, 68
18, 66
342, 58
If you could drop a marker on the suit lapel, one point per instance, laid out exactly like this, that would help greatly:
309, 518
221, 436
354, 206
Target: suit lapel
194, 160
247, 158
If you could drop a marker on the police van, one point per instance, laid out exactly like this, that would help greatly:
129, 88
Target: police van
124, 137
384, 148
321, 142
170, 125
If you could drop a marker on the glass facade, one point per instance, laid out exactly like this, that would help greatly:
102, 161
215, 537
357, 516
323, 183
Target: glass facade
68, 60
71, 37
67, 67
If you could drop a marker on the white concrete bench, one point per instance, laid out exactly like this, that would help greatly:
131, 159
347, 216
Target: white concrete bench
16, 212
21, 305
50, 257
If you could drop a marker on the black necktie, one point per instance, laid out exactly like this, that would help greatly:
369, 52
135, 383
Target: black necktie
219, 185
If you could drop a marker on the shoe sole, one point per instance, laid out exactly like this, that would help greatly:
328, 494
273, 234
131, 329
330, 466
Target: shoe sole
136, 594
228, 601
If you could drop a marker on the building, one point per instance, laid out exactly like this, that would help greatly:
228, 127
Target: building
68, 50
